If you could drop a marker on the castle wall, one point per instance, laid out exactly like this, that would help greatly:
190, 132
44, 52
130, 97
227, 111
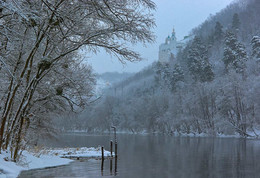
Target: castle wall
171, 47
166, 49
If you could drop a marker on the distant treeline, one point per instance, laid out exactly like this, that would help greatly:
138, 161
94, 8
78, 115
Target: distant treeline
211, 87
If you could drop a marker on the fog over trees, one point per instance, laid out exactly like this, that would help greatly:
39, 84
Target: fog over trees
211, 86
42, 74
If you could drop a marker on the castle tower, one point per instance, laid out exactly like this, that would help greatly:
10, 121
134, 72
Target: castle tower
173, 35
170, 48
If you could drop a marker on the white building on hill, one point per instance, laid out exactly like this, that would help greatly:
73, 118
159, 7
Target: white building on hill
168, 50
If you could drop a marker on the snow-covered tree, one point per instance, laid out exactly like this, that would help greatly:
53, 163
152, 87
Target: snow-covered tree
255, 43
176, 76
235, 22
218, 33
39, 44
198, 61
235, 54
228, 104
163, 74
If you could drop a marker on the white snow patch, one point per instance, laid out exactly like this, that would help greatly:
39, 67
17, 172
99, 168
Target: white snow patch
44, 158
82, 152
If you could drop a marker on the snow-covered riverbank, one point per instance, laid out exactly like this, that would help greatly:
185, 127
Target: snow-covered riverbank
32, 159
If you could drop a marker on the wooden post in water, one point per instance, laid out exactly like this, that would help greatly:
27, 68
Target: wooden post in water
102, 161
111, 166
115, 165
114, 133
116, 149
102, 151
111, 148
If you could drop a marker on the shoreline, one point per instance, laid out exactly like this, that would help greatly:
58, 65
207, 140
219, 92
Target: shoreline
174, 134
37, 158
32, 159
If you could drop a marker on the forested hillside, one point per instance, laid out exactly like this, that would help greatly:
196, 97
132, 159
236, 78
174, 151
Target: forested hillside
43, 71
211, 87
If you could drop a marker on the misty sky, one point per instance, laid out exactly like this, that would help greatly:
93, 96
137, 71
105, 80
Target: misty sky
183, 15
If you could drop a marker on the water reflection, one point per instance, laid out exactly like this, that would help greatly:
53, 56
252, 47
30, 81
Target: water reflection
162, 156
111, 167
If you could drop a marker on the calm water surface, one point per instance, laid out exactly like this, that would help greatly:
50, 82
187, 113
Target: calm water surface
161, 156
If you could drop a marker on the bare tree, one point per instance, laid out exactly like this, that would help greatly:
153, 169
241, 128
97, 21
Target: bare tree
36, 39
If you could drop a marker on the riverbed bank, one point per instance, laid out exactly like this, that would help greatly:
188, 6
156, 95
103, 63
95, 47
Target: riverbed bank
41, 158
250, 134
157, 155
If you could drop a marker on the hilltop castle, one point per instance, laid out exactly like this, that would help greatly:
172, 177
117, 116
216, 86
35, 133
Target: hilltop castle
168, 50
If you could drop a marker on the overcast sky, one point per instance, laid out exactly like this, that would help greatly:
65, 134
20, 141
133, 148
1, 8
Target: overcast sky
183, 15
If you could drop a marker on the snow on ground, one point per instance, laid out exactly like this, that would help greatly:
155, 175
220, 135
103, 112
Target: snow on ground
82, 152
45, 158
7, 168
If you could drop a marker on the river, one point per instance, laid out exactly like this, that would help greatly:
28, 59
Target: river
158, 156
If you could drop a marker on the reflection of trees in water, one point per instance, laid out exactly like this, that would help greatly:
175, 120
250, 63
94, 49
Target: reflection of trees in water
167, 156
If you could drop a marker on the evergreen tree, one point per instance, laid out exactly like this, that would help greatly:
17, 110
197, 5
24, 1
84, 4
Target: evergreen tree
235, 22
229, 50
177, 76
234, 53
241, 58
218, 33
166, 73
198, 61
255, 42
163, 74
210, 40
158, 72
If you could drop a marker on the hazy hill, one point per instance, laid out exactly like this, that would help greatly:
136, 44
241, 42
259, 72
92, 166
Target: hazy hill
212, 87
114, 77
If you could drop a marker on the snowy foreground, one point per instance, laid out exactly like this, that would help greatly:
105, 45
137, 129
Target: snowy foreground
45, 158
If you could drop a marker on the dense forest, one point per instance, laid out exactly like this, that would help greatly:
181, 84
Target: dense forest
211, 86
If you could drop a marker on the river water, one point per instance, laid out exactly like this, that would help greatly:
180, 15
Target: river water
157, 156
